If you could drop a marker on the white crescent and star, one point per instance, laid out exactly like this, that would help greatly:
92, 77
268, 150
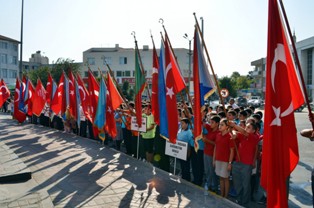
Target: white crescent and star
5, 89
279, 56
81, 88
18, 97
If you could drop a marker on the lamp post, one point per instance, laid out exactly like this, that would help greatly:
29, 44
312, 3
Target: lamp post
190, 55
21, 44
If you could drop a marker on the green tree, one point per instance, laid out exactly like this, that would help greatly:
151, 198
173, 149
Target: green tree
127, 91
55, 69
226, 82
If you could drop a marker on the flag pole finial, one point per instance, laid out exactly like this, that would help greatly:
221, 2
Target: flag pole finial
161, 21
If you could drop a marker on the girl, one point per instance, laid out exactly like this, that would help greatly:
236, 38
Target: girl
223, 156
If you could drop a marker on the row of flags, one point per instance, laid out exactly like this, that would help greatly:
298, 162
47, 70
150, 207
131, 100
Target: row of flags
284, 94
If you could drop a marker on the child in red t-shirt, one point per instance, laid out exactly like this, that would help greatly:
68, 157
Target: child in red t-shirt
223, 156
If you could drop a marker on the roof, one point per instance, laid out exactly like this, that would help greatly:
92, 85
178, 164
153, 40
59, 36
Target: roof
8, 39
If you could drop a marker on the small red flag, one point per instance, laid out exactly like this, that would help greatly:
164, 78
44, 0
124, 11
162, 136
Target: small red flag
56, 102
155, 105
31, 91
39, 98
17, 114
72, 95
4, 92
283, 95
84, 96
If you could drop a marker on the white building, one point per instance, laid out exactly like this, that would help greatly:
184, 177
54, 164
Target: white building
122, 62
9, 66
35, 61
305, 50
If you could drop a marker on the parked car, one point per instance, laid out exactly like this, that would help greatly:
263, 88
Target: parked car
255, 101
242, 102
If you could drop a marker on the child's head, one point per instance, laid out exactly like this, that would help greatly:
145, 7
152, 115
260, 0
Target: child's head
242, 124
223, 125
250, 127
214, 122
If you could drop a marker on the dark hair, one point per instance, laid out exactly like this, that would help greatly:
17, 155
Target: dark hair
187, 121
249, 111
260, 113
254, 126
232, 112
215, 119
243, 113
222, 114
225, 121
257, 116
237, 110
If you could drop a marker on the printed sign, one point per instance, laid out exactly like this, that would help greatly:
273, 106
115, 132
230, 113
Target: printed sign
178, 150
135, 127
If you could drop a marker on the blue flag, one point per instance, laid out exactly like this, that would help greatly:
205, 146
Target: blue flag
163, 115
100, 117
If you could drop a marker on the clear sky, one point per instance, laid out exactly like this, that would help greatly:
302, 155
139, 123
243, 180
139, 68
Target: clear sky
235, 30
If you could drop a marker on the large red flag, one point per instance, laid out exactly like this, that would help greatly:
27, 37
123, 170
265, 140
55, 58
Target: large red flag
17, 114
49, 89
113, 101
174, 84
72, 96
283, 95
4, 92
31, 91
56, 102
93, 88
39, 98
84, 96
155, 105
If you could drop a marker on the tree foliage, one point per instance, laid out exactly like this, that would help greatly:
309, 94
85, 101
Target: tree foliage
55, 69
127, 91
234, 83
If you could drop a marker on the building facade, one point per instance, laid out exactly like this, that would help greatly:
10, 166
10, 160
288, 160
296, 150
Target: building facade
305, 50
35, 61
122, 62
9, 66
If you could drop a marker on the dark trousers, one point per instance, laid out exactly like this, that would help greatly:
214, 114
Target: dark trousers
83, 128
160, 147
185, 169
197, 160
127, 136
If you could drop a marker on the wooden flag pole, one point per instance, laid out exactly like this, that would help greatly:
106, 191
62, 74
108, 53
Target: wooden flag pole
166, 34
212, 68
297, 61
142, 67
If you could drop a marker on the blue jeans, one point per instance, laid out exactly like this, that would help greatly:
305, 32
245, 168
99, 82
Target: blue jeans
210, 175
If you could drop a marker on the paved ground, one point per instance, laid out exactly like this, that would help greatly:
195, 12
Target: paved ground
70, 171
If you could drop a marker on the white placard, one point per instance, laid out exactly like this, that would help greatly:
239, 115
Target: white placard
178, 150
135, 127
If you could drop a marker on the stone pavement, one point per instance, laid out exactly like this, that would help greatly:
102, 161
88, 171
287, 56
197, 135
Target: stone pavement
71, 171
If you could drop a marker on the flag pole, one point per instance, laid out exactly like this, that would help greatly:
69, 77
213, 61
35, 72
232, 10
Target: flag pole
142, 67
166, 34
297, 60
215, 78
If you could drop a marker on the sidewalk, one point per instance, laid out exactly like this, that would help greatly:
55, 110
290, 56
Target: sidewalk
71, 171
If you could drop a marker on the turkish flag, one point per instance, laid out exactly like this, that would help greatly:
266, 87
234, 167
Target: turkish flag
56, 102
39, 98
174, 84
17, 114
283, 95
73, 104
4, 92
31, 92
84, 96
114, 100
93, 88
49, 89
155, 107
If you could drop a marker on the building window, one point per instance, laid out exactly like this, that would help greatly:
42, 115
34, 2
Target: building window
3, 45
14, 46
119, 73
91, 61
14, 60
3, 58
107, 60
127, 73
13, 73
309, 66
86, 74
123, 60
4, 73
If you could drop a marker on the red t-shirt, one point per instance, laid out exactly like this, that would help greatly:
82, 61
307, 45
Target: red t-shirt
211, 136
223, 146
247, 148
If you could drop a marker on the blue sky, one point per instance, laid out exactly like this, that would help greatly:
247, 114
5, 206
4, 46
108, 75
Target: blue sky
235, 30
